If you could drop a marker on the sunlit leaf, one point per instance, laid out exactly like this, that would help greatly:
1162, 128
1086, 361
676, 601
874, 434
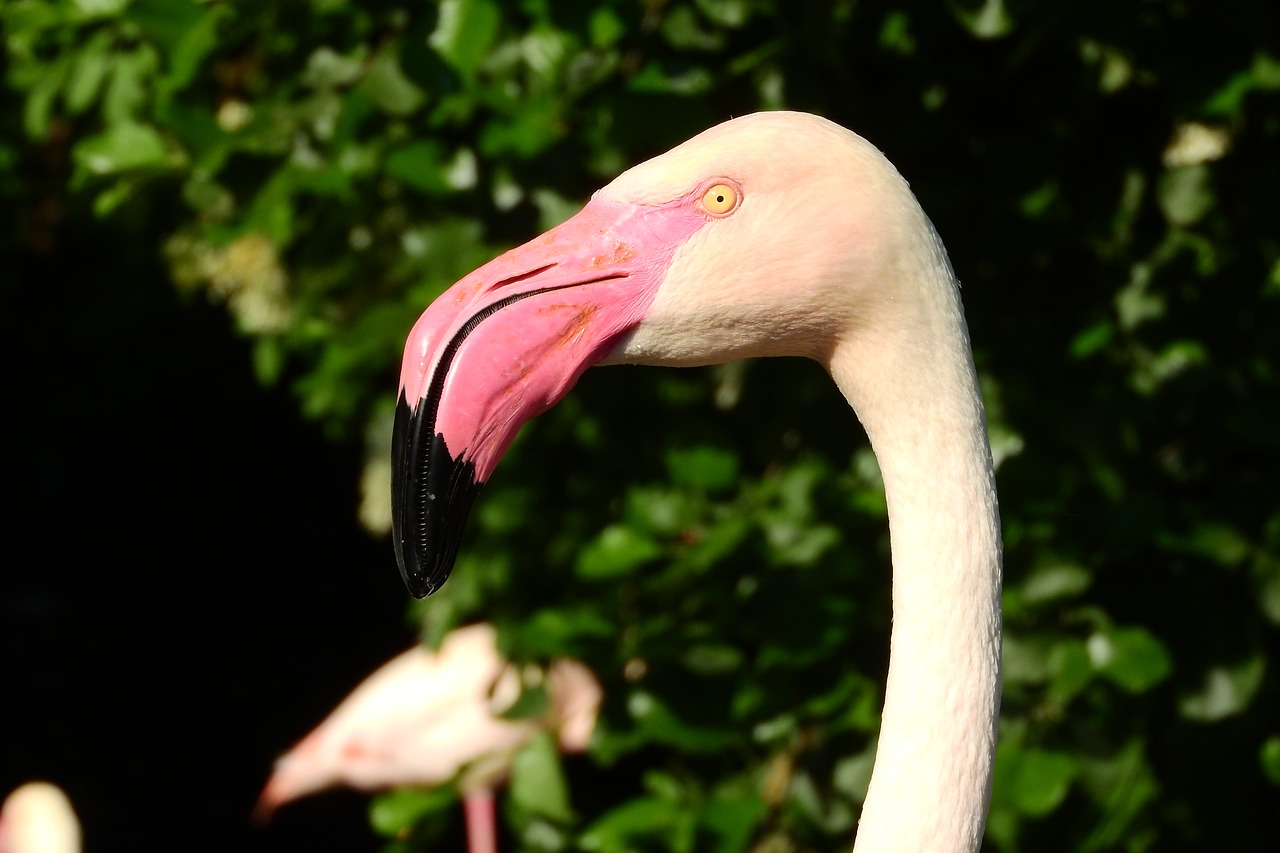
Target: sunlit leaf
830, 813
87, 73
121, 147
1025, 659
985, 19
1133, 658
852, 775
389, 88
128, 85
465, 32
1185, 194
1225, 691
1053, 581
326, 68
1215, 541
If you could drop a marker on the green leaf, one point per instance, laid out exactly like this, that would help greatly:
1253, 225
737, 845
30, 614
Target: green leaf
1025, 659
1042, 781
832, 814
664, 512
637, 818
386, 85
658, 724
1071, 669
683, 29
605, 27
119, 148
187, 32
537, 780
128, 87
895, 34
1214, 540
1123, 785
852, 775
1229, 98
1092, 339
87, 73
1040, 200
1053, 581
793, 542
1225, 691
532, 704
617, 551
1269, 758
712, 658
37, 110
1269, 593
328, 69
421, 165
390, 814
114, 196
465, 32
732, 821
725, 13
90, 10
985, 19
1185, 194
530, 130
703, 467
556, 630
1130, 657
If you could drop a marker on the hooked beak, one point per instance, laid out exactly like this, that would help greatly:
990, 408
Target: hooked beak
504, 344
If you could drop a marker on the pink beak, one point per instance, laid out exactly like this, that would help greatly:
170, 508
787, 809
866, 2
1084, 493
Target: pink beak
507, 343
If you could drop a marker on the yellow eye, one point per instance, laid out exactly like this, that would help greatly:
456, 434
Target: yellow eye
720, 199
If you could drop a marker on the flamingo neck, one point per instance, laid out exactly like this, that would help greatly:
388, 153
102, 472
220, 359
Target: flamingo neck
914, 387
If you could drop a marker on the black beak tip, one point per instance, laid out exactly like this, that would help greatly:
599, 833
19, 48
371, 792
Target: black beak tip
431, 496
417, 580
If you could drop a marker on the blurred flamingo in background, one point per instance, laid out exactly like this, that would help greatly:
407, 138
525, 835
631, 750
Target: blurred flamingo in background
37, 818
432, 718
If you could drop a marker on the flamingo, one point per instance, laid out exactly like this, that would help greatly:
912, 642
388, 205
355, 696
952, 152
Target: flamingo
427, 719
37, 817
775, 233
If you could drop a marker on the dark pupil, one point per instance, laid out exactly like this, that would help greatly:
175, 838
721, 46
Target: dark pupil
720, 198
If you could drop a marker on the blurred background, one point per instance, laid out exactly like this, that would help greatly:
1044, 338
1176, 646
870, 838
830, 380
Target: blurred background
221, 219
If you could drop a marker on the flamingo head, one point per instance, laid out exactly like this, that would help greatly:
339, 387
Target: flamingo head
766, 235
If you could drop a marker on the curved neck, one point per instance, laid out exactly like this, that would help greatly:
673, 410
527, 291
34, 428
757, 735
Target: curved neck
915, 390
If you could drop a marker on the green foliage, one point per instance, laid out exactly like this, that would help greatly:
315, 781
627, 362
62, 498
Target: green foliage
712, 542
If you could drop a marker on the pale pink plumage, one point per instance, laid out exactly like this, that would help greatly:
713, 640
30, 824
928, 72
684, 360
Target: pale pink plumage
37, 818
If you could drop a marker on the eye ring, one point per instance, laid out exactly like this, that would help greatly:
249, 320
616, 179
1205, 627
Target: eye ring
721, 197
